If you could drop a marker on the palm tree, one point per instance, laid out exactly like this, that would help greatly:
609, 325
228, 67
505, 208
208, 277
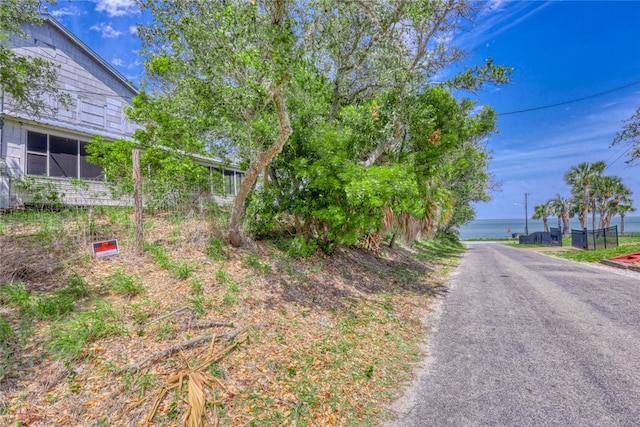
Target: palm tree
580, 177
542, 212
562, 208
623, 209
606, 187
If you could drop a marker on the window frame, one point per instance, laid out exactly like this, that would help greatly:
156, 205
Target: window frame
47, 155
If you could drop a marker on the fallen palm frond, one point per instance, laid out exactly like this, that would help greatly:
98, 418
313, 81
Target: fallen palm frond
197, 383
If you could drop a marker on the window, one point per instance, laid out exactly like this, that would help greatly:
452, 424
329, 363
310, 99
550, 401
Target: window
92, 113
63, 157
226, 182
51, 155
229, 182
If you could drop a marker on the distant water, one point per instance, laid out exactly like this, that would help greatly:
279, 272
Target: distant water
503, 228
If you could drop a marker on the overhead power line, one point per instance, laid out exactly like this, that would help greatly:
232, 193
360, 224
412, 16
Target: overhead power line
526, 110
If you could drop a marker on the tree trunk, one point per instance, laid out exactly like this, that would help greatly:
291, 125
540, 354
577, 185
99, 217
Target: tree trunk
399, 131
235, 236
621, 224
585, 208
565, 222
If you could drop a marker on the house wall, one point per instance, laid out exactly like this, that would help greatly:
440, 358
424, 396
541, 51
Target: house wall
99, 96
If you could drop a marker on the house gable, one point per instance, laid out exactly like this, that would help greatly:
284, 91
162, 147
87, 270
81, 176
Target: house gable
98, 92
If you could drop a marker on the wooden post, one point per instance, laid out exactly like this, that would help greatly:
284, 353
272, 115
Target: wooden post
137, 201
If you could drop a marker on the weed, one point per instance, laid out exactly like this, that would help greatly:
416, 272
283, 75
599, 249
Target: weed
139, 315
197, 299
230, 296
182, 270
69, 336
118, 215
216, 371
368, 372
198, 303
254, 261
165, 331
222, 276
145, 382
196, 286
16, 295
122, 284
216, 249
76, 288
6, 331
52, 306
160, 255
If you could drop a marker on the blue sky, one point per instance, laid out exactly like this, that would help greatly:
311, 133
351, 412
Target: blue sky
560, 50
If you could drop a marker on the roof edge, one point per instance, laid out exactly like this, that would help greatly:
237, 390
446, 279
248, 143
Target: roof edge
83, 46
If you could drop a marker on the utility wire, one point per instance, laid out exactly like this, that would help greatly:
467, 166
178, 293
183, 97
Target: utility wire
526, 110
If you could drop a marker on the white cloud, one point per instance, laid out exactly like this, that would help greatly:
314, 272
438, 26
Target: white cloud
67, 11
134, 65
497, 17
133, 30
117, 7
107, 30
117, 62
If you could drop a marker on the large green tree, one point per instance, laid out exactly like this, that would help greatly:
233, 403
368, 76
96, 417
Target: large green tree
248, 76
27, 81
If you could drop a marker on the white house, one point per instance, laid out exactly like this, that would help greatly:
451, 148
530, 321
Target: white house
52, 147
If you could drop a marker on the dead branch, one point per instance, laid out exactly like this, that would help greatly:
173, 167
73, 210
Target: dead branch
202, 324
185, 345
168, 315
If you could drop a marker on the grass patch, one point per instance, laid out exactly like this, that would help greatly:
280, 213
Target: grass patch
600, 254
439, 250
44, 305
182, 270
121, 283
254, 261
69, 337
217, 249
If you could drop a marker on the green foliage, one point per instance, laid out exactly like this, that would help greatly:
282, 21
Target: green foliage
41, 192
217, 249
170, 176
6, 331
69, 337
197, 298
297, 246
45, 305
160, 254
29, 81
254, 261
630, 135
122, 284
363, 130
16, 295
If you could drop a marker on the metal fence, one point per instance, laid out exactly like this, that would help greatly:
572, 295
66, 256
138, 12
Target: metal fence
539, 237
595, 239
556, 236
551, 238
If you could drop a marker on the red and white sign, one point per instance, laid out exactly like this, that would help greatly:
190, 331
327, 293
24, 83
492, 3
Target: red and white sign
106, 248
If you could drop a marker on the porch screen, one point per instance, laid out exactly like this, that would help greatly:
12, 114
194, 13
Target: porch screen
51, 155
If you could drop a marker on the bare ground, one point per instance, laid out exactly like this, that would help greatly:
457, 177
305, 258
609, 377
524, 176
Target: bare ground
318, 341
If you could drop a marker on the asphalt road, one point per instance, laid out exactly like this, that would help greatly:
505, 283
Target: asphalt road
525, 339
